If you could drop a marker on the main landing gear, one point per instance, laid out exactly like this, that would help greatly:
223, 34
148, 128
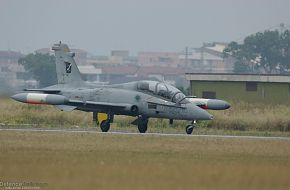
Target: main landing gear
189, 128
105, 119
142, 127
142, 123
105, 125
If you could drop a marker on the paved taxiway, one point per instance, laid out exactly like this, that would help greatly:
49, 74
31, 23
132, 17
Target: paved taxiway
128, 133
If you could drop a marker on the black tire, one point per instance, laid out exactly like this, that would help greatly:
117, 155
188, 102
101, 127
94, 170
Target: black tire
142, 127
105, 125
189, 129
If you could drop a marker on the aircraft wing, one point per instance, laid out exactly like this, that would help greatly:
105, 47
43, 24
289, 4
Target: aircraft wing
92, 104
160, 102
47, 91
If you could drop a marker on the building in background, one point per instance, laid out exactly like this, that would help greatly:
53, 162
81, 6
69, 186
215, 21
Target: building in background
160, 59
117, 57
90, 73
250, 88
207, 59
81, 55
124, 73
13, 75
119, 66
124, 54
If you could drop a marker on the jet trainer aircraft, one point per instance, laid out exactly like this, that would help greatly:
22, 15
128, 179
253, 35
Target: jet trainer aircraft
142, 99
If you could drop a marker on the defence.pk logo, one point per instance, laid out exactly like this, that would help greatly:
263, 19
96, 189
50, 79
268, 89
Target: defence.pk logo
68, 66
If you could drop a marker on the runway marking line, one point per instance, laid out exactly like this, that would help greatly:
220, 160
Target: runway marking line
146, 134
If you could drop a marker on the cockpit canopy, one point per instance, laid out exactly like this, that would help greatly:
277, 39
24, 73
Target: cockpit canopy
163, 90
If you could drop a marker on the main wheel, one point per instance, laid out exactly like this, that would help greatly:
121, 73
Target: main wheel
189, 129
142, 127
105, 125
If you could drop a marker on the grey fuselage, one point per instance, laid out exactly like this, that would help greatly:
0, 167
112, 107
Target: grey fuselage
144, 99
129, 93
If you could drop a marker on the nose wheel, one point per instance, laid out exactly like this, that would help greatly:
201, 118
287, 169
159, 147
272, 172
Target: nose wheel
189, 129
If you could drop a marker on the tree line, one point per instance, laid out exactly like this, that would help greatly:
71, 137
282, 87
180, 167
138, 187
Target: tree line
41, 66
263, 52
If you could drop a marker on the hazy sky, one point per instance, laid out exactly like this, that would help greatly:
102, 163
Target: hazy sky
135, 25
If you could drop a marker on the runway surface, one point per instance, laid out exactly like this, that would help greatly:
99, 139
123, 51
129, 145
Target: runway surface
139, 134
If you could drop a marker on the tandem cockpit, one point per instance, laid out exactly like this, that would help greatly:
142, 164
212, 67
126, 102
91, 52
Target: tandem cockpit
164, 91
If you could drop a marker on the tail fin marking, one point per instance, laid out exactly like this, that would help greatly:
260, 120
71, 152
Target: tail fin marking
66, 68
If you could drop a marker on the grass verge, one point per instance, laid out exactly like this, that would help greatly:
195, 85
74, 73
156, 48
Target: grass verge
108, 161
240, 119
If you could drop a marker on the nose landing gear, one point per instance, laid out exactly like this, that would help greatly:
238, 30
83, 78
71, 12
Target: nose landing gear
189, 128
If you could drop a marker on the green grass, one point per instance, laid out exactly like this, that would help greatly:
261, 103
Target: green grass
110, 161
259, 117
241, 119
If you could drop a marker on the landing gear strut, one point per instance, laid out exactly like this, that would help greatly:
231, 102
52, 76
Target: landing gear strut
95, 118
189, 128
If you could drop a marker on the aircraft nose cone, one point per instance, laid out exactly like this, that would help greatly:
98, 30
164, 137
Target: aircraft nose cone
202, 114
19, 97
210, 117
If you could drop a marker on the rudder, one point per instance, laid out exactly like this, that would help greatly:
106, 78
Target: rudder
66, 68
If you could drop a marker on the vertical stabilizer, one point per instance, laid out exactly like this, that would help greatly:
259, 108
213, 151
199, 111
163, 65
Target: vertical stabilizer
66, 68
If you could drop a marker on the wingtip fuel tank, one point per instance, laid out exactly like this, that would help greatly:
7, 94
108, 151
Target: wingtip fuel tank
39, 98
211, 104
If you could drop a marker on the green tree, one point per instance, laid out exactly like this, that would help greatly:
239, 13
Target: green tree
285, 58
42, 66
262, 52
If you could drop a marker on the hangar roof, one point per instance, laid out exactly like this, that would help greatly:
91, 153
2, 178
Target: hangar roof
232, 77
